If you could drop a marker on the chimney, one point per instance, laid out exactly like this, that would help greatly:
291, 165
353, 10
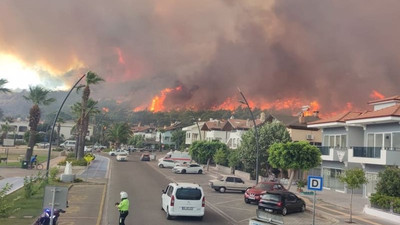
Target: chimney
301, 118
315, 113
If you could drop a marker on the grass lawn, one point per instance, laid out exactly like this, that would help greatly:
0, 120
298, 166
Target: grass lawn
16, 155
29, 208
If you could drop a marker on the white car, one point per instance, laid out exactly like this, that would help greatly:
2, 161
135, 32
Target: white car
122, 157
183, 199
190, 168
117, 152
167, 163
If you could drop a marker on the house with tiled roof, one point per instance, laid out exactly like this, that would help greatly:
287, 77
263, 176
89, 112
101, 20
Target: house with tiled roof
147, 131
213, 130
235, 128
164, 134
369, 140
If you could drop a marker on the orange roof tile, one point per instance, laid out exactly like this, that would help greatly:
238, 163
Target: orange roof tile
342, 117
388, 111
393, 98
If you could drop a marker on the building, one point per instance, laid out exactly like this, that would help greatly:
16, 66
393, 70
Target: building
164, 135
194, 133
369, 140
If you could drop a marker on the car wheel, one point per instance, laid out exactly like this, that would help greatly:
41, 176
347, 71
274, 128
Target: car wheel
284, 211
168, 216
161, 166
183, 171
222, 189
200, 172
247, 201
303, 208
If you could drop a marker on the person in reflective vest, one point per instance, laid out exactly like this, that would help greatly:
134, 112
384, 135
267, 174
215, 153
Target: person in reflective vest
123, 207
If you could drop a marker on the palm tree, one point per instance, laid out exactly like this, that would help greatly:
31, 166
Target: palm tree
91, 79
59, 122
77, 109
3, 89
119, 133
38, 96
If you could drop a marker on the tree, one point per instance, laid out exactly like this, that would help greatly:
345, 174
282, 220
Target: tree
203, 151
294, 156
137, 141
3, 89
353, 178
221, 157
269, 134
389, 182
38, 96
119, 133
91, 79
76, 109
179, 137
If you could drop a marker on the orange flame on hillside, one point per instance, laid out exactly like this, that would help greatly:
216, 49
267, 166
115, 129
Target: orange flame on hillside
121, 59
157, 103
376, 95
105, 109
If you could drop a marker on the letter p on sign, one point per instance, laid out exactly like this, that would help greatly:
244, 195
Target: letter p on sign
315, 183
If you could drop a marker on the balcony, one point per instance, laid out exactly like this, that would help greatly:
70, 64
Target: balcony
333, 153
374, 155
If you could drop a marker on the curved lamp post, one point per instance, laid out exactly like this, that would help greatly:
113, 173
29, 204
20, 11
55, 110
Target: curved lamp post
54, 124
244, 101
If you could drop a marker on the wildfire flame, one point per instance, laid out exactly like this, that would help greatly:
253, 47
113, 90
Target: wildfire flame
157, 103
105, 109
121, 59
376, 95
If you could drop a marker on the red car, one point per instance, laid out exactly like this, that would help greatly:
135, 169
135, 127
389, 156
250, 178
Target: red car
254, 194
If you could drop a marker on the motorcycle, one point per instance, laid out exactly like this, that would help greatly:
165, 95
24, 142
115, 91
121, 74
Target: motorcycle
44, 218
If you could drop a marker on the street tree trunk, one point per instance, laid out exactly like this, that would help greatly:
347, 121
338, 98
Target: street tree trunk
290, 179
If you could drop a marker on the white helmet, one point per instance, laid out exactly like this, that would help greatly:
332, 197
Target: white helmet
123, 194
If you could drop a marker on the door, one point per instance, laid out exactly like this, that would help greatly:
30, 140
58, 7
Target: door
230, 183
291, 202
166, 197
239, 184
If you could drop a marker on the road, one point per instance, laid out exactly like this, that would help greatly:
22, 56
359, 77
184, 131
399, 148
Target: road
144, 181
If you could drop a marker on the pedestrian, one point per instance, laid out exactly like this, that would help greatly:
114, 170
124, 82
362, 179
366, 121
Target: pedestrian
123, 207
33, 160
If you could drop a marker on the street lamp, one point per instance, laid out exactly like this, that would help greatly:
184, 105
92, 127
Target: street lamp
54, 124
244, 101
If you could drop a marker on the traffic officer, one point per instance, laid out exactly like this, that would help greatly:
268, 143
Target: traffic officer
123, 207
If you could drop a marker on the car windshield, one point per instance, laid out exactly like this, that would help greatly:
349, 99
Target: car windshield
271, 197
263, 186
188, 194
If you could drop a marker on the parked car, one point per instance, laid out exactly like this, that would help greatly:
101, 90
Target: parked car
88, 149
117, 152
183, 199
43, 145
167, 163
254, 194
190, 168
145, 157
232, 183
99, 147
122, 157
69, 144
281, 202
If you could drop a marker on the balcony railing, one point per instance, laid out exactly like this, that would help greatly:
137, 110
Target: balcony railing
367, 152
324, 150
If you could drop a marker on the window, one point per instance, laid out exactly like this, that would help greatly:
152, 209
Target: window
291, 198
22, 129
382, 140
238, 180
188, 193
230, 179
335, 140
396, 140
170, 190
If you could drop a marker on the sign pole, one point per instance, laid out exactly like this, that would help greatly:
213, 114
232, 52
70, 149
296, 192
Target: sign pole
313, 216
52, 205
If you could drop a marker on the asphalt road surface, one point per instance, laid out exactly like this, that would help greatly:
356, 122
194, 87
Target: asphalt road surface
144, 181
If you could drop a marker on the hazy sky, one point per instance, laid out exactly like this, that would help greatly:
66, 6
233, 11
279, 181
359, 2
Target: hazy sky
335, 53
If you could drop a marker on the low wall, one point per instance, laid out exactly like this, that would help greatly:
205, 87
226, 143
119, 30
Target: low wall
223, 169
238, 173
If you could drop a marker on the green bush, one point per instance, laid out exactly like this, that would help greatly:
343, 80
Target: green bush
381, 201
53, 173
5, 206
75, 162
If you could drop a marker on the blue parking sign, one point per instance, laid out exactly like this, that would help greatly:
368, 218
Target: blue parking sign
315, 183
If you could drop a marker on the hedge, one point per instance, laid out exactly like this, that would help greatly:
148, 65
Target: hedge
384, 201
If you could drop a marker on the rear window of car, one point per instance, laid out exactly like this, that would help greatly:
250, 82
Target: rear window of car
188, 193
272, 197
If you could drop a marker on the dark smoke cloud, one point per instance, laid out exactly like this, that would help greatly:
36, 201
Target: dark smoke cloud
330, 51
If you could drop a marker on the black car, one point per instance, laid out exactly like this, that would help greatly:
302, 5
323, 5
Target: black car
145, 157
281, 202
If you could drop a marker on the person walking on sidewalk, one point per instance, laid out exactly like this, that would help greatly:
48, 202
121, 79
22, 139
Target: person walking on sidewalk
123, 207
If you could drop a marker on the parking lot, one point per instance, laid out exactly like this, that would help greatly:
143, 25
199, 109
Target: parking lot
231, 205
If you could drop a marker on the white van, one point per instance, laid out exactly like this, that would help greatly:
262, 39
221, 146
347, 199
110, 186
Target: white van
183, 199
177, 156
68, 144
